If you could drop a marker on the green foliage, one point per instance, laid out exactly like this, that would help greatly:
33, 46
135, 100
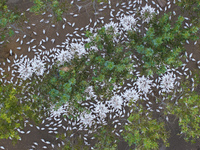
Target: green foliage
186, 107
10, 112
143, 131
100, 1
75, 143
188, 113
14, 111
192, 7
105, 139
56, 7
7, 17
39, 6
162, 43
161, 46
91, 69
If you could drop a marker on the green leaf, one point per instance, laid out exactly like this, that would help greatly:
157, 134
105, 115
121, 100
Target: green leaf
149, 52
72, 81
65, 98
67, 87
109, 65
158, 41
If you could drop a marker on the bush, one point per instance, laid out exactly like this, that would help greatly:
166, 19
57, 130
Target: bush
7, 18
162, 43
143, 131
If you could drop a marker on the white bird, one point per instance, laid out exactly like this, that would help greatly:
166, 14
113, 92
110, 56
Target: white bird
47, 142
104, 7
52, 40
34, 33
33, 46
21, 42
2, 147
43, 13
75, 15
8, 60
41, 20
11, 52
101, 9
64, 19
111, 14
44, 147
63, 26
35, 143
43, 47
79, 7
117, 5
69, 23
17, 40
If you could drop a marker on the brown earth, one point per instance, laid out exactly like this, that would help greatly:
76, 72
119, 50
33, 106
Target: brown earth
176, 142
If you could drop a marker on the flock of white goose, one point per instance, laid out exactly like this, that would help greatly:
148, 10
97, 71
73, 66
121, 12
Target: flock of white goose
122, 17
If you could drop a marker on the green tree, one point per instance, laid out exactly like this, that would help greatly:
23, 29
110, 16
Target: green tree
56, 7
159, 46
192, 8
185, 106
143, 131
70, 86
162, 43
7, 18
15, 108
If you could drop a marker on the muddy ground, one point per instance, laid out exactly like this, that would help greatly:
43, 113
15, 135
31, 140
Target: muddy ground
176, 142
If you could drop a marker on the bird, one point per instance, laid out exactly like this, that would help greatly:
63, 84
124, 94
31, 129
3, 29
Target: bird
79, 8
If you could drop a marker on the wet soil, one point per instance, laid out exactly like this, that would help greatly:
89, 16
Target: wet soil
176, 142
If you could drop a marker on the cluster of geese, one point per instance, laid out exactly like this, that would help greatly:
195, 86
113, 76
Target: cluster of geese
42, 59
